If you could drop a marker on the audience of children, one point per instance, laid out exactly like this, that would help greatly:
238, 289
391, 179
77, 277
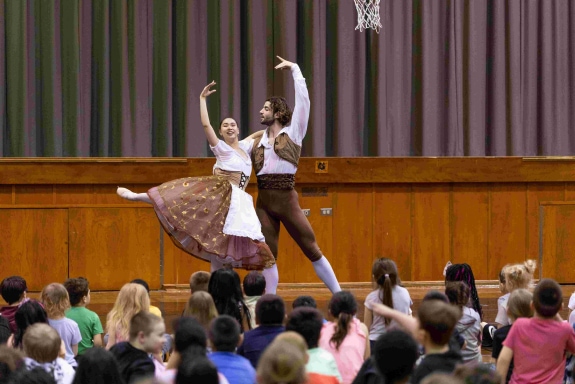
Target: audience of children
307, 350
55, 298
270, 315
254, 287
389, 292
469, 324
346, 337
88, 321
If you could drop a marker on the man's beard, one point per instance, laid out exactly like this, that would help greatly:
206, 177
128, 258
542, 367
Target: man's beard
267, 122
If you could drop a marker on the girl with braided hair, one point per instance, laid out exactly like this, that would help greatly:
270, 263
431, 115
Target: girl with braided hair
346, 337
388, 291
463, 272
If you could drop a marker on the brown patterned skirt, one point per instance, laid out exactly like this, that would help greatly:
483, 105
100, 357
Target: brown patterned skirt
193, 211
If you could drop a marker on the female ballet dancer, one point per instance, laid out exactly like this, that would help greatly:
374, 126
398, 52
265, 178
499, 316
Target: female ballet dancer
212, 217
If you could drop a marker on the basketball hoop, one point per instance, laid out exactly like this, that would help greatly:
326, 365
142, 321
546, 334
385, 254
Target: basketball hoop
367, 15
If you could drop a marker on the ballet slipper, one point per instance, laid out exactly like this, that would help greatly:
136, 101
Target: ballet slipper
125, 193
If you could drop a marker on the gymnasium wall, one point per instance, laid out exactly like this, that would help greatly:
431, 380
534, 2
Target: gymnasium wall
61, 218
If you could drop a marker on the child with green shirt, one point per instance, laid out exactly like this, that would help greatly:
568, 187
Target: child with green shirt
88, 321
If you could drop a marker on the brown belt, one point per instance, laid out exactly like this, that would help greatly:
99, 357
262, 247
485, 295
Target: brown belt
285, 181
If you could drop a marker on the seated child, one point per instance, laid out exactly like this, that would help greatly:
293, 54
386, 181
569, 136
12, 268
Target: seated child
146, 336
469, 325
518, 306
537, 345
282, 362
42, 346
199, 281
224, 337
88, 321
56, 302
254, 287
270, 314
13, 290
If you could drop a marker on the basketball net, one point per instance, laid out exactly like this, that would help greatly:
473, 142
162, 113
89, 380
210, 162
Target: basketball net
367, 15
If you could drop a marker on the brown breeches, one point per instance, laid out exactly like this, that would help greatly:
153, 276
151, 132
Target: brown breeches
277, 205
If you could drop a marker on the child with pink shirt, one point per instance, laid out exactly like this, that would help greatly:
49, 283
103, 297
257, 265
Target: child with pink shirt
537, 345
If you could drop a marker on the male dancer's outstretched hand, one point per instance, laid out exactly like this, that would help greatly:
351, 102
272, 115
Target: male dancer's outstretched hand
284, 64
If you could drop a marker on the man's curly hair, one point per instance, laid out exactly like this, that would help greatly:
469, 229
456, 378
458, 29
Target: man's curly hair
279, 105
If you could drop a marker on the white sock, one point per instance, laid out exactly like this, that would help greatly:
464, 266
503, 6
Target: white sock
129, 195
325, 272
272, 278
216, 264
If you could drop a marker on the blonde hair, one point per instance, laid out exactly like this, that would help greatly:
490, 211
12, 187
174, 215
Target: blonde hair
519, 275
201, 306
292, 338
519, 304
133, 298
55, 298
41, 343
282, 362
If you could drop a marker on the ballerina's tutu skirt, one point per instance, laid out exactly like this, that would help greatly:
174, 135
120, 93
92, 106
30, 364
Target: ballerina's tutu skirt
194, 212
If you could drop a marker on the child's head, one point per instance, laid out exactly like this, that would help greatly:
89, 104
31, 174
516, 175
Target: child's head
282, 362
477, 373
13, 289
463, 272
394, 355
132, 298
502, 281
293, 338
201, 306
55, 299
31, 312
189, 333
224, 334
519, 304
270, 310
97, 366
196, 369
199, 281
254, 284
307, 322
547, 298
42, 343
143, 283
384, 268
147, 332
519, 275
226, 290
304, 301
457, 292
435, 295
342, 307
11, 359
78, 291
436, 321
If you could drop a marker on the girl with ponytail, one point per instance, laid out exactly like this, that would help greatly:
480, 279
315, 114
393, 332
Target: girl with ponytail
388, 291
346, 337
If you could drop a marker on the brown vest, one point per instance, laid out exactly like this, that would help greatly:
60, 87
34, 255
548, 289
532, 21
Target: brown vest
284, 147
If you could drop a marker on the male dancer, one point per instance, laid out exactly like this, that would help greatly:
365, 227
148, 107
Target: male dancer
275, 158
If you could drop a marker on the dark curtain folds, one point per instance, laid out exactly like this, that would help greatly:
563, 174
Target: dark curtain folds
442, 78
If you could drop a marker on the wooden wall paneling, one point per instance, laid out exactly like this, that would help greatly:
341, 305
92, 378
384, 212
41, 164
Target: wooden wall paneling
392, 225
34, 194
470, 227
6, 194
34, 245
569, 191
111, 246
353, 232
558, 242
430, 231
178, 265
537, 193
508, 226
293, 265
73, 194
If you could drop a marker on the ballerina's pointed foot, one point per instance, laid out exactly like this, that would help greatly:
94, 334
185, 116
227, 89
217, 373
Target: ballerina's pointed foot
127, 194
